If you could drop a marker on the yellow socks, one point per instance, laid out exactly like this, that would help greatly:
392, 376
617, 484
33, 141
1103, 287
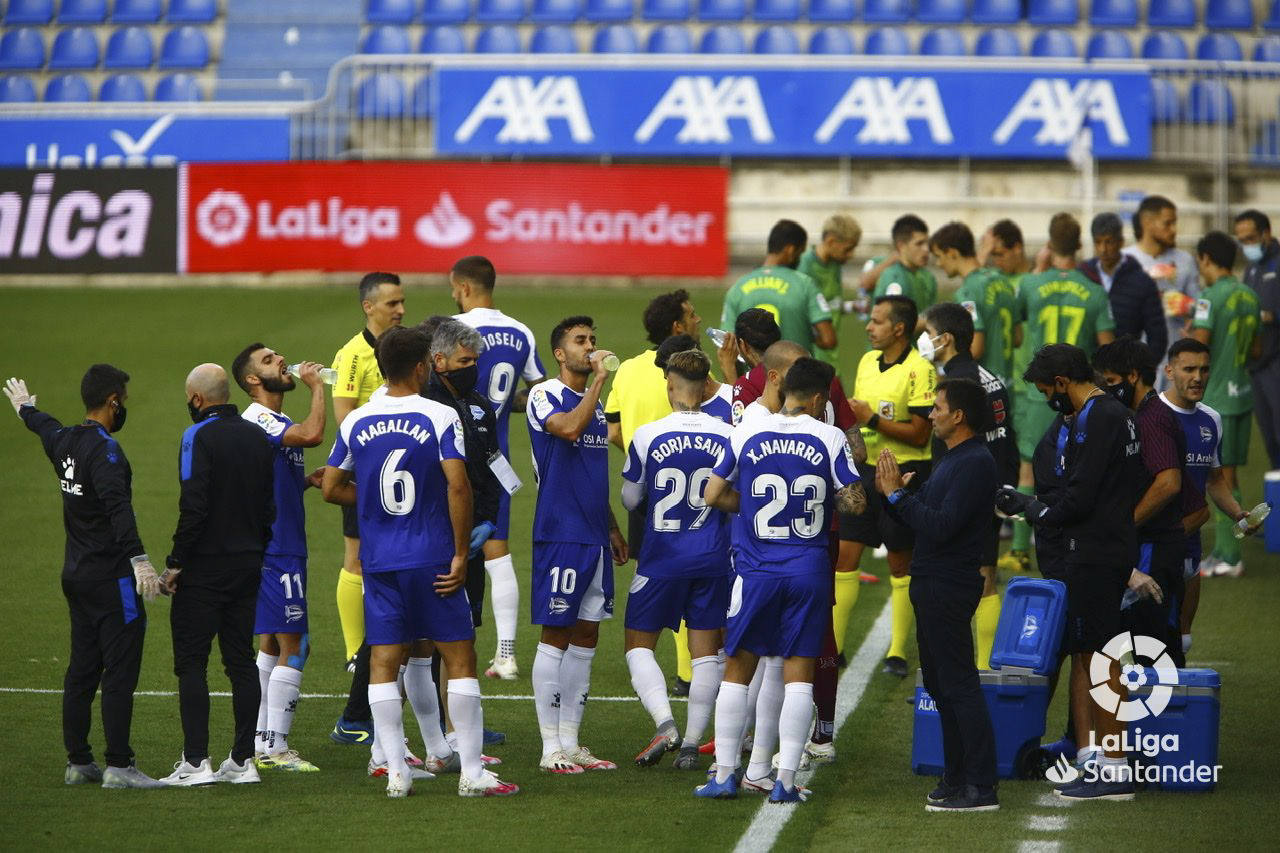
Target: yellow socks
351, 610
684, 661
847, 587
986, 619
903, 616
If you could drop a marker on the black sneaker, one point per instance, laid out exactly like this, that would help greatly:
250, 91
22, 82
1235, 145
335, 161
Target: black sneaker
944, 791
681, 687
895, 666
971, 799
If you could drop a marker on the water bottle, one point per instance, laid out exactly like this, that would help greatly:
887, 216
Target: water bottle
717, 336
1256, 516
610, 360
327, 374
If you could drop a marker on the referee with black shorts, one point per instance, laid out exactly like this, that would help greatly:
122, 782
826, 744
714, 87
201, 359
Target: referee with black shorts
105, 573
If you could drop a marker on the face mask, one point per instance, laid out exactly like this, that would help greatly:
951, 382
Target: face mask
1060, 402
463, 379
195, 413
1252, 251
927, 346
1122, 391
118, 423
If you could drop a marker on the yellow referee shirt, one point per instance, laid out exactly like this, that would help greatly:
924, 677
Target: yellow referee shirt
358, 372
638, 395
893, 391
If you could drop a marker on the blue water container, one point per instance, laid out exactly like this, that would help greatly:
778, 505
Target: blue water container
1017, 702
1191, 716
1271, 494
1033, 616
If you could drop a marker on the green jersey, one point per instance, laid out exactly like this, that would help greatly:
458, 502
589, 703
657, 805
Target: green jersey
1230, 311
1022, 352
992, 303
791, 297
918, 285
1062, 307
827, 276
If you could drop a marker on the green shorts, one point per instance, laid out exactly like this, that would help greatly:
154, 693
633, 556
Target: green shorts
1236, 430
1032, 417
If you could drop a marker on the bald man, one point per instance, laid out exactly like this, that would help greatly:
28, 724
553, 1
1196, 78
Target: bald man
225, 512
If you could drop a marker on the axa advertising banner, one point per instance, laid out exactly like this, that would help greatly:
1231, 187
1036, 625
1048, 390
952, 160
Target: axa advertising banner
781, 112
88, 221
528, 218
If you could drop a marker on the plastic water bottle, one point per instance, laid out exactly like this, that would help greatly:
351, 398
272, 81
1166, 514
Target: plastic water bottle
1256, 516
717, 336
610, 360
327, 374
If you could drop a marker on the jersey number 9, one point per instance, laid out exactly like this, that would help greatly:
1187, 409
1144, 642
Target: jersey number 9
678, 482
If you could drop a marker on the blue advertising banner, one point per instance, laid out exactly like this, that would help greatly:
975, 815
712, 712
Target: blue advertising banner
780, 112
156, 140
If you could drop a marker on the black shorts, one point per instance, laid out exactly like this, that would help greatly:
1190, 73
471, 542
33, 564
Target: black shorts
1163, 562
1093, 606
475, 587
1051, 553
877, 526
991, 548
350, 523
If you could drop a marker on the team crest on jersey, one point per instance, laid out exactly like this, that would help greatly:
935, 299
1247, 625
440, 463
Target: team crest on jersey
886, 409
557, 605
293, 613
1206, 434
893, 289
477, 413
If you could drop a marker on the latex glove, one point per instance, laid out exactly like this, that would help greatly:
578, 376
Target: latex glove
145, 577
19, 396
480, 534
1145, 586
1010, 501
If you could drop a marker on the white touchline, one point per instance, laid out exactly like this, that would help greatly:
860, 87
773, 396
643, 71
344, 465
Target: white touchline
1039, 847
1047, 822
222, 693
769, 819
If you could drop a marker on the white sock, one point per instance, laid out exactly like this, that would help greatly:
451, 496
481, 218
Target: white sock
388, 726
282, 701
468, 723
421, 688
1186, 643
1086, 753
575, 683
768, 710
650, 686
753, 692
546, 695
702, 698
793, 729
400, 681
266, 663
504, 592
731, 712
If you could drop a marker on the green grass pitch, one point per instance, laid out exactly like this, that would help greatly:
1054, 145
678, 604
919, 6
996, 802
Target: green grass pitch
868, 800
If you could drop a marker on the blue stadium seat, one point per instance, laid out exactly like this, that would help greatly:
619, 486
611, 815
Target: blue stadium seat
1179, 14
388, 11
1266, 151
28, 12
556, 11
122, 87
553, 38
722, 10
666, 10
22, 48
1161, 45
832, 41
1055, 44
1229, 14
1166, 107
1219, 47
722, 39
776, 10
498, 39
605, 11
1108, 44
68, 88
1267, 49
17, 89
942, 41
887, 41
886, 11
82, 12
443, 39
178, 87
1210, 102
941, 11
500, 11
445, 11
1113, 13
776, 40
997, 42
616, 38
184, 47
135, 12
424, 102
129, 47
669, 38
386, 39
1273, 20
380, 96
1053, 12
192, 11
75, 47
996, 12
834, 11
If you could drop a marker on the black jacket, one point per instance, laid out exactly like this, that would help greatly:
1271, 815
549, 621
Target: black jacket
480, 440
227, 502
97, 508
1264, 278
998, 431
1135, 303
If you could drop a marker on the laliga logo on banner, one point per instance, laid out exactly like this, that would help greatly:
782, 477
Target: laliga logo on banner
1122, 649
445, 226
223, 218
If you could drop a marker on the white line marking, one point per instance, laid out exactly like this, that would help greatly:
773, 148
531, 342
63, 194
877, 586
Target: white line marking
1039, 847
770, 818
1053, 801
162, 693
1047, 822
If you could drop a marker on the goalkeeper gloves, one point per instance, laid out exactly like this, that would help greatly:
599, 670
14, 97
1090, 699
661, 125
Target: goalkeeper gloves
1010, 501
144, 574
19, 396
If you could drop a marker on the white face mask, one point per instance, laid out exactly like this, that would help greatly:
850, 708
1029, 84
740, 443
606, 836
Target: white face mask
1252, 252
927, 346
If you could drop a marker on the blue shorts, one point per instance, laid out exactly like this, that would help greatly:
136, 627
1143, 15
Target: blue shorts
571, 581
282, 596
403, 606
503, 523
657, 603
778, 615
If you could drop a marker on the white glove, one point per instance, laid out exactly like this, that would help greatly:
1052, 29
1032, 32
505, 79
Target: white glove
16, 391
148, 582
1145, 586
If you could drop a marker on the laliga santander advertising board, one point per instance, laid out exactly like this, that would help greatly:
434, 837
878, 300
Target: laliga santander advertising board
528, 218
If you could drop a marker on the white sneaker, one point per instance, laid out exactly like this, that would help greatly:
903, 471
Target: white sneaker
409, 758
287, 760
820, 753
806, 763
559, 763
129, 777
1229, 570
186, 775
399, 785
504, 668
488, 785
1209, 566
238, 774
82, 774
584, 759
379, 771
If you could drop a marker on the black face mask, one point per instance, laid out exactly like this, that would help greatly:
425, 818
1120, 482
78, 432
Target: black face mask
463, 379
195, 413
121, 414
1122, 391
1060, 402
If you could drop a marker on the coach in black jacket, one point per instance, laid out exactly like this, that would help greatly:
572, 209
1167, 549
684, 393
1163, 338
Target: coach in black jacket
1135, 299
224, 523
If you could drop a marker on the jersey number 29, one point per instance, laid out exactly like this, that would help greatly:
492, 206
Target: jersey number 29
683, 488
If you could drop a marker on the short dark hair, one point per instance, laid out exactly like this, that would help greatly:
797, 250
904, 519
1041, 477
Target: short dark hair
100, 382
954, 319
429, 325
692, 365
901, 310
1007, 232
784, 233
1126, 355
1150, 204
1106, 225
1056, 360
562, 328
1188, 345
671, 346
240, 364
400, 350
969, 397
1219, 248
1259, 219
907, 227
372, 280
758, 328
662, 313
808, 376
476, 269
953, 235
1064, 234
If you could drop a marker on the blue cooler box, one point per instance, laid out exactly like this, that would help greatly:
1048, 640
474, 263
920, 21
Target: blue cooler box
1271, 494
1192, 715
1017, 702
1033, 616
